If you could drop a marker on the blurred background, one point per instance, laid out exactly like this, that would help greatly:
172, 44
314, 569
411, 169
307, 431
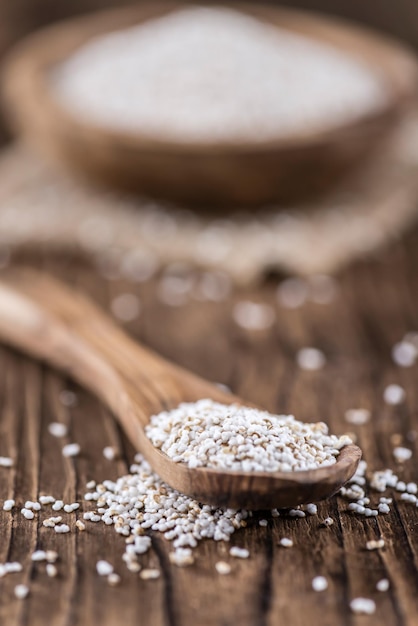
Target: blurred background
20, 17
371, 207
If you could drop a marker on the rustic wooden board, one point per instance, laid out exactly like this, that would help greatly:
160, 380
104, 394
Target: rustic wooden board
376, 305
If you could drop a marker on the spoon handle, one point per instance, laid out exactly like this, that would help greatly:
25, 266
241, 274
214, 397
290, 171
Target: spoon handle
56, 324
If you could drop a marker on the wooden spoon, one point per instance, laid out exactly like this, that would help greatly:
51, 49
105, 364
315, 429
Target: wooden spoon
54, 323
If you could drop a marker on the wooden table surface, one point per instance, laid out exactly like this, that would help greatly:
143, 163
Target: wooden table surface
376, 305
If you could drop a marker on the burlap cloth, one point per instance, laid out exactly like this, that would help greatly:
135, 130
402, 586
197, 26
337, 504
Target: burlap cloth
40, 206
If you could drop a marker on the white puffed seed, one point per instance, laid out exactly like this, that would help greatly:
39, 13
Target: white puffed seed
364, 606
380, 480
13, 567
223, 568
404, 354
71, 449
51, 556
375, 544
253, 316
394, 394
113, 579
46, 499
62, 528
384, 500
149, 574
80, 525
38, 555
239, 553
357, 416
401, 454
27, 513
51, 570
50, 522
58, 505
133, 566
70, 508
409, 497
34, 506
310, 359
182, 557
21, 591
319, 583
356, 507
110, 453
57, 429
104, 568
383, 585
6, 461
8, 505
285, 542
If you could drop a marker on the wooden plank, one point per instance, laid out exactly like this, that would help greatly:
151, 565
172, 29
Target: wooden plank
375, 306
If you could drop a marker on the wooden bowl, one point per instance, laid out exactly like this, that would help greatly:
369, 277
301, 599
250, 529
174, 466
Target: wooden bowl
221, 173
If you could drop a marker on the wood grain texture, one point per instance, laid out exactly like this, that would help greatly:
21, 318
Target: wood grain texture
377, 304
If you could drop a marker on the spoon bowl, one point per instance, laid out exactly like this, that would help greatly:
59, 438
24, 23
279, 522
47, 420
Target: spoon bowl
56, 324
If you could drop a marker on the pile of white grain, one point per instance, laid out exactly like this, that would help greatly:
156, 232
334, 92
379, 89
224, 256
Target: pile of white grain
239, 438
208, 74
